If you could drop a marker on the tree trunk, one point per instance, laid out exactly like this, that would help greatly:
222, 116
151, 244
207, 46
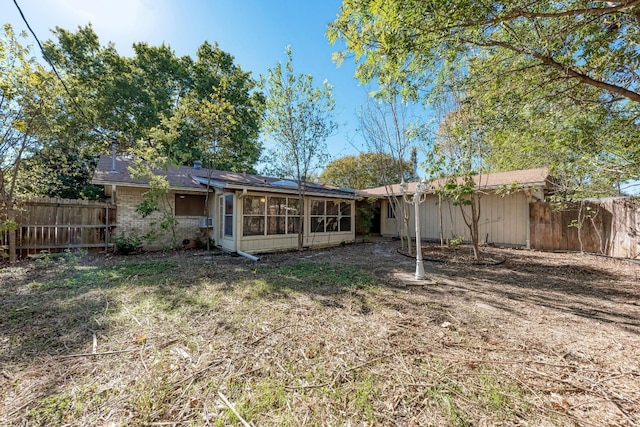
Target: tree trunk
406, 214
301, 222
475, 218
440, 219
12, 232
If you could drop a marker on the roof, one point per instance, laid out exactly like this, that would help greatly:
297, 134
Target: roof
526, 178
189, 178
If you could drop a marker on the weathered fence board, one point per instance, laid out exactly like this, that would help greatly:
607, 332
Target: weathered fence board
606, 226
46, 224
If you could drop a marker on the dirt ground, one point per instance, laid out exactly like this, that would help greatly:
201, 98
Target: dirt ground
523, 338
567, 324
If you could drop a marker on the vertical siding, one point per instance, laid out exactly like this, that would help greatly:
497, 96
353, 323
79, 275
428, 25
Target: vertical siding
503, 220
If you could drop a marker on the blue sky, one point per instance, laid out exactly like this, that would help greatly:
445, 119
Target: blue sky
255, 32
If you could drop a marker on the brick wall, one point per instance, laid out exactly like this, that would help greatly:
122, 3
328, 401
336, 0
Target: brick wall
131, 223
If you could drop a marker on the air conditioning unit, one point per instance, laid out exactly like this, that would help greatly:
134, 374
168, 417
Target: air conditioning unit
206, 222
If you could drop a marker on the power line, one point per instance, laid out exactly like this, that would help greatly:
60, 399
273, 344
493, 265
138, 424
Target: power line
55, 71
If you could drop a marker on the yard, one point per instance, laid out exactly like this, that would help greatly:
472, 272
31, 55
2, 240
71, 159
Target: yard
342, 336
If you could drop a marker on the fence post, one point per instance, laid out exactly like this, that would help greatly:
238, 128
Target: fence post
106, 229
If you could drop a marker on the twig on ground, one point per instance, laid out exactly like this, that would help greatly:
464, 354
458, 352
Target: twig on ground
132, 315
104, 353
233, 409
256, 341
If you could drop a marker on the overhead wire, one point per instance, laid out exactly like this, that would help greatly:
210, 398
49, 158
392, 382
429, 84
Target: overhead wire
55, 71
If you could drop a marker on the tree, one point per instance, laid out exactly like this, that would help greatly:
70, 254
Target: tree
458, 161
515, 56
390, 130
24, 106
365, 170
131, 100
298, 119
576, 41
56, 172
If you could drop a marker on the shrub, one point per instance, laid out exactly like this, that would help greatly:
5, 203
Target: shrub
126, 245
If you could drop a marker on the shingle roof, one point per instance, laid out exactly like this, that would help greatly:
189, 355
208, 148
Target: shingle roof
189, 178
521, 178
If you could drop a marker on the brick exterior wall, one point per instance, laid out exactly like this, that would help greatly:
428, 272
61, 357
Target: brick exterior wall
132, 224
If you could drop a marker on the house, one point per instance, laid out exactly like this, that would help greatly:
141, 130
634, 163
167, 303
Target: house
248, 213
504, 215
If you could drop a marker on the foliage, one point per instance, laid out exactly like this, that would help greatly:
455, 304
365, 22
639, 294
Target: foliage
554, 83
155, 102
365, 170
125, 245
571, 42
59, 173
26, 101
365, 219
298, 119
390, 131
456, 240
459, 158
156, 199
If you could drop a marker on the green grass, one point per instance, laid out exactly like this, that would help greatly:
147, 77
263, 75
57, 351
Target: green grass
310, 343
85, 277
309, 276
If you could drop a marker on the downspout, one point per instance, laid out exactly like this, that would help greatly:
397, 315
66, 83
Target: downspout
249, 256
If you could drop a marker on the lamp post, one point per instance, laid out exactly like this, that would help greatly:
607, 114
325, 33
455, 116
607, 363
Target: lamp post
416, 198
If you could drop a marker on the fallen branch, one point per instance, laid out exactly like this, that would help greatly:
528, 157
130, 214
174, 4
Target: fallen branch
104, 353
267, 334
233, 409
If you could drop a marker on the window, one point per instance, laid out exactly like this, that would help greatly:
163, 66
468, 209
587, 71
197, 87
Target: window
253, 216
293, 216
271, 215
330, 216
391, 213
277, 215
189, 204
317, 216
228, 215
345, 216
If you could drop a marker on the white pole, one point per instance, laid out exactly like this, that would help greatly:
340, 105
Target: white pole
419, 266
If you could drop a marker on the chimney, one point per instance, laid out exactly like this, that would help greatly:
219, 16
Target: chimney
244, 172
197, 164
113, 157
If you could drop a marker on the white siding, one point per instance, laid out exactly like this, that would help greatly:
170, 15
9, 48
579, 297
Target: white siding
503, 220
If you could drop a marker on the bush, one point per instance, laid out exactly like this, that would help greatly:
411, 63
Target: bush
126, 245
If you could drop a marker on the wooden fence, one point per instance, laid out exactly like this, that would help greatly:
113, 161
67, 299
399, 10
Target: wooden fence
606, 226
53, 225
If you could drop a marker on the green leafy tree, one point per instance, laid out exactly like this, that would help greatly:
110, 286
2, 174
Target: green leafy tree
365, 170
298, 119
575, 62
53, 172
25, 105
576, 41
155, 94
458, 161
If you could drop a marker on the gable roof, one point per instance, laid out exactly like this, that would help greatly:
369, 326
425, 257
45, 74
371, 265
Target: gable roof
526, 178
189, 178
